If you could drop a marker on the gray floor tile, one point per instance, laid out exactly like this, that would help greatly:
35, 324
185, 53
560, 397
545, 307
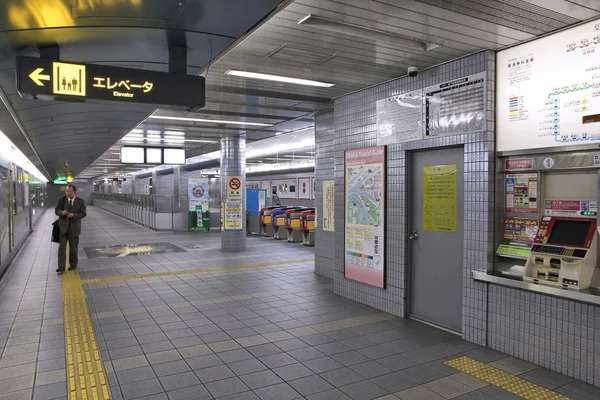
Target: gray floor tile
334, 394
448, 387
317, 339
277, 360
421, 356
291, 344
241, 396
235, 355
341, 377
16, 383
497, 393
473, 396
420, 374
394, 382
135, 375
397, 362
332, 348
126, 352
306, 354
264, 350
170, 368
310, 385
376, 352
350, 358
370, 369
293, 371
156, 347
200, 362
212, 374
363, 390
20, 395
282, 391
418, 393
323, 364
260, 379
550, 376
52, 391
583, 389
247, 366
178, 381
163, 356
226, 387
197, 392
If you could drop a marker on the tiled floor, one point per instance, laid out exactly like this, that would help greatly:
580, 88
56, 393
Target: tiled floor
273, 332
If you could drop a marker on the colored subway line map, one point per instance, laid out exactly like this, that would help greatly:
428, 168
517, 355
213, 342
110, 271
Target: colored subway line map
365, 187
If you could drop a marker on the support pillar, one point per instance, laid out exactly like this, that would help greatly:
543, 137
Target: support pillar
233, 164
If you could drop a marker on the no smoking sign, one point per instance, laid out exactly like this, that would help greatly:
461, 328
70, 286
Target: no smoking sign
234, 187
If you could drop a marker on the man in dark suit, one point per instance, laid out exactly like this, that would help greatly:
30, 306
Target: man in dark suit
71, 210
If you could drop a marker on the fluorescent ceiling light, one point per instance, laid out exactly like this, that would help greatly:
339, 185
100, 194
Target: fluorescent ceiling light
213, 121
279, 167
177, 133
278, 78
367, 33
136, 131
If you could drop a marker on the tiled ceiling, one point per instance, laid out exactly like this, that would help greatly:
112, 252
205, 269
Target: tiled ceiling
281, 46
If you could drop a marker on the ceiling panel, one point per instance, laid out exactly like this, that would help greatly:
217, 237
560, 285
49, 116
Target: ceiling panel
126, 33
281, 46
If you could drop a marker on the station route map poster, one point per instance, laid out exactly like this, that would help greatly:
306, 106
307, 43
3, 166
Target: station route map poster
547, 91
365, 215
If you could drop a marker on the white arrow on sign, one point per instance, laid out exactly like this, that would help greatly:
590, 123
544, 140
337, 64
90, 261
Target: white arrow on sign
38, 78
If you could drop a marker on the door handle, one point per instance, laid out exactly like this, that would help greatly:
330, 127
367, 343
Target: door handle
414, 235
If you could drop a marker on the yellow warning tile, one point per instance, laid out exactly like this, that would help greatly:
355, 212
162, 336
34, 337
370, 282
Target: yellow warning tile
510, 383
83, 374
195, 271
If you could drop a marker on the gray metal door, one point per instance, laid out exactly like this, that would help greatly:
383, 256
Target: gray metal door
437, 253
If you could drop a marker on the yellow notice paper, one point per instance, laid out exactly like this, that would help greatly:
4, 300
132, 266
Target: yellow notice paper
440, 198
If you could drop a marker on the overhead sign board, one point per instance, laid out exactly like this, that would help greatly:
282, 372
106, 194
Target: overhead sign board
61, 80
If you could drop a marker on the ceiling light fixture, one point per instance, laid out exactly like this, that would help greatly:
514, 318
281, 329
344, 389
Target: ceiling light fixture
213, 121
364, 32
278, 78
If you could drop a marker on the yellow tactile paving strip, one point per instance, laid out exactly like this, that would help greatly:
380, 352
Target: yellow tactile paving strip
503, 380
86, 376
194, 271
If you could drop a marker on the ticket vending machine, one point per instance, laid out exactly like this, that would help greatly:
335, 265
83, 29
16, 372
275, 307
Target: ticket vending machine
563, 253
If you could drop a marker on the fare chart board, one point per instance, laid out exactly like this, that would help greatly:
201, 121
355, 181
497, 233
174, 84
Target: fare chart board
548, 91
456, 107
449, 108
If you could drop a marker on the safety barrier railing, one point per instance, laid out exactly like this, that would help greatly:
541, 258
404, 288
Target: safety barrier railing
156, 211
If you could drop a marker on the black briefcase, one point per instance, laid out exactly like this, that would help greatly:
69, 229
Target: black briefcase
55, 232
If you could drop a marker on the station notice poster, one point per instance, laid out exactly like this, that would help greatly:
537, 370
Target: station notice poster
400, 118
521, 193
329, 206
198, 194
440, 198
233, 216
520, 229
365, 215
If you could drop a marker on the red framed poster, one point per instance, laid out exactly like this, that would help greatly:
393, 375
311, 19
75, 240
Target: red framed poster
365, 172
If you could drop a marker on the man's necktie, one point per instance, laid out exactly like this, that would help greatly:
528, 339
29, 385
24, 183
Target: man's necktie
70, 205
